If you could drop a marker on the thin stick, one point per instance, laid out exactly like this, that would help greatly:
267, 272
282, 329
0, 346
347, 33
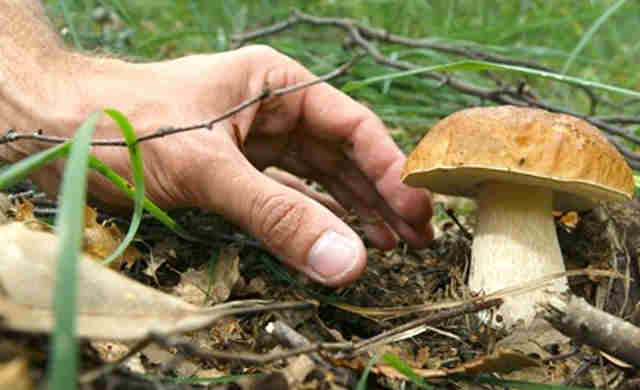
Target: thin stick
365, 37
12, 135
586, 324
428, 320
465, 232
229, 309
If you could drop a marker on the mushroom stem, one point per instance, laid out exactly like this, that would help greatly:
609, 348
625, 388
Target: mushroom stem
515, 242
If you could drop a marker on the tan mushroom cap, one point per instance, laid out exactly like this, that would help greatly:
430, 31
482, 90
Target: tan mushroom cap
520, 145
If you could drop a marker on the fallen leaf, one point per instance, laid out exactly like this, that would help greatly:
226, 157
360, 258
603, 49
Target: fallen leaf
501, 361
109, 305
225, 275
102, 239
24, 213
189, 288
203, 286
616, 361
14, 375
570, 219
532, 340
110, 351
5, 206
159, 356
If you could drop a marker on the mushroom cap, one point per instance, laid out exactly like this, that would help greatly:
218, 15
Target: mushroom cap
520, 145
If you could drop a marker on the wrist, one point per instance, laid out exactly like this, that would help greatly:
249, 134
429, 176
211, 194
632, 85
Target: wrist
55, 97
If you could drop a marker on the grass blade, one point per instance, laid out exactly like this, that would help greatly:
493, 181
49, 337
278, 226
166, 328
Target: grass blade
18, 171
138, 179
481, 65
362, 383
69, 22
126, 187
590, 33
489, 380
69, 226
405, 370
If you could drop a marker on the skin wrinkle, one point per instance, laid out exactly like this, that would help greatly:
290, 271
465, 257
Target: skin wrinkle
382, 169
277, 218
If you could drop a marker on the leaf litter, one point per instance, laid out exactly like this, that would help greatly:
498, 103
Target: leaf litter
398, 278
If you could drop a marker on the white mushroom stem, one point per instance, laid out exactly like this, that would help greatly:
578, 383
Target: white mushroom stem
515, 242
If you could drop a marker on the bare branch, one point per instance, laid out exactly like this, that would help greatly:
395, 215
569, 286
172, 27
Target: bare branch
368, 32
12, 135
586, 324
362, 37
437, 317
624, 120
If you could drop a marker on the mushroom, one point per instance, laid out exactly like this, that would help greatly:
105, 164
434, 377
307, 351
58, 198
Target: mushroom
520, 164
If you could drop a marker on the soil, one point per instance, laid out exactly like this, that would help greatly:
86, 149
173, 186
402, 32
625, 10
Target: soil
605, 238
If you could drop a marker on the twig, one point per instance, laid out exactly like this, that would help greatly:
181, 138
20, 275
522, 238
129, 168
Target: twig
12, 135
288, 336
363, 37
586, 324
297, 17
428, 320
621, 119
452, 214
190, 349
230, 309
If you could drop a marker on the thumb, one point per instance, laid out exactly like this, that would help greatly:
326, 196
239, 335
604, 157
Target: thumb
298, 230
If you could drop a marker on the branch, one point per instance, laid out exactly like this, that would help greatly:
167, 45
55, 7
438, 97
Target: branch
13, 135
621, 119
298, 17
516, 95
586, 324
434, 318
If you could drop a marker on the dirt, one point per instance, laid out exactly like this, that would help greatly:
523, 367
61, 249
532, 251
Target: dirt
606, 238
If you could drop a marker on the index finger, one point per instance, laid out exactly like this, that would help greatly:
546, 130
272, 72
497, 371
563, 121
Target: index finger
330, 114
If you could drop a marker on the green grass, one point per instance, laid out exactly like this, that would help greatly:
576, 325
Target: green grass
559, 34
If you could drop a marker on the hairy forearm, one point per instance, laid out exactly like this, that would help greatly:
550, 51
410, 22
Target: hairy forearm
29, 47
43, 84
29, 51
26, 34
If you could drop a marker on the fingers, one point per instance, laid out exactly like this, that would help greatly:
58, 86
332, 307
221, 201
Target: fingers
367, 142
299, 185
327, 164
295, 228
324, 113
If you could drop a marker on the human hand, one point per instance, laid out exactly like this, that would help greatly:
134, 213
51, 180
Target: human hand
317, 133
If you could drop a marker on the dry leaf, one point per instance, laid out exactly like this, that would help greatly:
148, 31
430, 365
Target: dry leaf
24, 213
532, 340
110, 351
159, 356
5, 206
570, 219
226, 274
14, 375
110, 306
201, 286
501, 361
616, 361
102, 239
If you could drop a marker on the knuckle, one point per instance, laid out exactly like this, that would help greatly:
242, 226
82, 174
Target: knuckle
263, 51
277, 219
